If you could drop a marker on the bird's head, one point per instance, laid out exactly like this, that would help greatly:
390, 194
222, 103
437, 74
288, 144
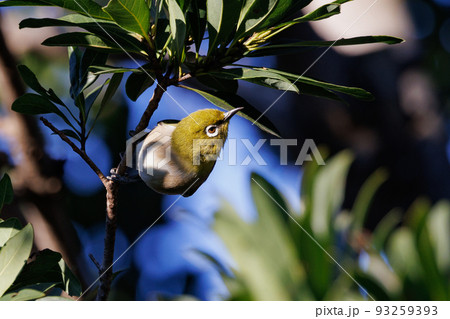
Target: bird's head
201, 135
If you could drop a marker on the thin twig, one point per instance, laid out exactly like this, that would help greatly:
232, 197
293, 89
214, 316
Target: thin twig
96, 263
77, 150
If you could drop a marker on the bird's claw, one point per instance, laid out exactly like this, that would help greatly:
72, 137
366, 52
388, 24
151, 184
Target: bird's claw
123, 179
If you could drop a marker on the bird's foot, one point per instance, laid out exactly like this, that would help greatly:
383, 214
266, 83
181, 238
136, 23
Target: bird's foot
123, 179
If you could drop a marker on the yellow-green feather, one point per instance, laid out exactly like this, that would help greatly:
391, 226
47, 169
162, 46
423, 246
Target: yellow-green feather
193, 127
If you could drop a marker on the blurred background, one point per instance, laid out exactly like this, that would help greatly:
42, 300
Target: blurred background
224, 242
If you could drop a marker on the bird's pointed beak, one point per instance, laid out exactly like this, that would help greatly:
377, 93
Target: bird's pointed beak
230, 114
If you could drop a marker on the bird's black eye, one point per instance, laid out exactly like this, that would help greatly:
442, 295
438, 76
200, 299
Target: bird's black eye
212, 131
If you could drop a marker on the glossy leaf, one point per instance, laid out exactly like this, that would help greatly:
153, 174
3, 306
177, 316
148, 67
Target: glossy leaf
103, 29
138, 83
49, 267
228, 101
221, 85
283, 9
299, 47
98, 70
34, 104
13, 256
322, 12
84, 7
177, 27
23, 295
196, 19
8, 229
253, 13
352, 91
112, 88
222, 16
87, 40
6, 191
258, 76
131, 15
31, 80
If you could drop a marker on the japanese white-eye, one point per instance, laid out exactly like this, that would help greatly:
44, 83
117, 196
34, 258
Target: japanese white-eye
176, 157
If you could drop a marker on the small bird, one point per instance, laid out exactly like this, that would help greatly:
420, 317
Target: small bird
176, 157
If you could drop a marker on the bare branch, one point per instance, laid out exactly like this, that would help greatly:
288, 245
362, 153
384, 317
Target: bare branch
77, 150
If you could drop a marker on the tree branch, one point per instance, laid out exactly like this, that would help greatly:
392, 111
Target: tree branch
77, 150
37, 177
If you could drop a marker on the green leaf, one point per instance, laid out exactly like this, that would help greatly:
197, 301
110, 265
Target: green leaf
177, 27
138, 83
221, 85
8, 229
384, 228
33, 104
352, 91
299, 47
264, 77
49, 267
196, 19
87, 40
81, 76
322, 12
282, 10
84, 7
222, 16
98, 70
253, 13
13, 256
439, 229
31, 80
328, 194
105, 30
112, 88
23, 295
131, 15
6, 191
263, 248
365, 198
228, 101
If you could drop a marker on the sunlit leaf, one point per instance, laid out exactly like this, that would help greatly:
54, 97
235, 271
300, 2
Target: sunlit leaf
23, 295
352, 91
258, 76
8, 229
84, 7
299, 47
222, 16
131, 15
177, 27
13, 256
103, 29
253, 13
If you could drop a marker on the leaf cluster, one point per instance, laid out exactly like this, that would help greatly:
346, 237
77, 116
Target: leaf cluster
181, 39
46, 274
324, 253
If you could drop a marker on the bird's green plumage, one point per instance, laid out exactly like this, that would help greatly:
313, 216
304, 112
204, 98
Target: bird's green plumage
177, 157
191, 130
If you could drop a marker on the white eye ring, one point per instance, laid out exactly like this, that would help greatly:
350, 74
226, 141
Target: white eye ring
212, 130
